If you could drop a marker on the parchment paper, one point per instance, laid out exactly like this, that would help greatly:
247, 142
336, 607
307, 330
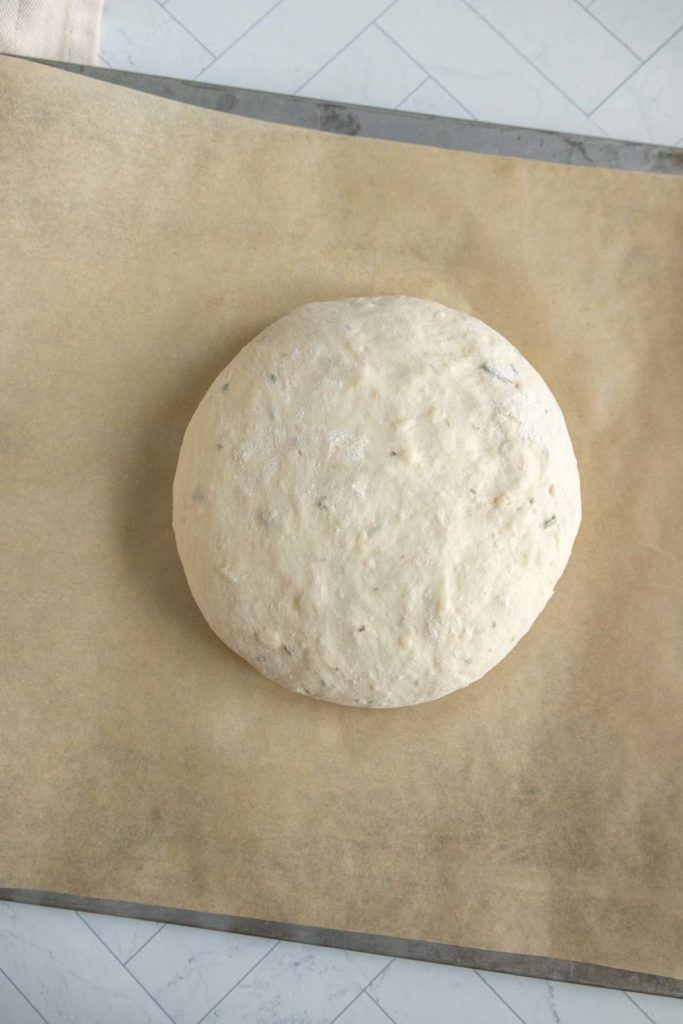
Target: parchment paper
143, 242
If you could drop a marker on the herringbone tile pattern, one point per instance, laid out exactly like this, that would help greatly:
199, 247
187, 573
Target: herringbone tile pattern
599, 67
60, 967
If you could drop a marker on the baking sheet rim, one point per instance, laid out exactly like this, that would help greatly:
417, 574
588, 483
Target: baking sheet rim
527, 965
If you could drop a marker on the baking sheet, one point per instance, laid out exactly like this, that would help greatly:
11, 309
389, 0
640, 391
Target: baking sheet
398, 125
536, 812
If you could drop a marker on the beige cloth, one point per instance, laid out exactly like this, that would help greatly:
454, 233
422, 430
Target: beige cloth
66, 30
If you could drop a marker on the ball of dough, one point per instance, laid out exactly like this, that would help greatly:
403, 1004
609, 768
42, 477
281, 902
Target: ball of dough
375, 499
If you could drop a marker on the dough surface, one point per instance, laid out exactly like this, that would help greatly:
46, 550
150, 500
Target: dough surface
375, 499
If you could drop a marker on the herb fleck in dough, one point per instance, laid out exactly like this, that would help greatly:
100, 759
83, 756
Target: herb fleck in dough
375, 500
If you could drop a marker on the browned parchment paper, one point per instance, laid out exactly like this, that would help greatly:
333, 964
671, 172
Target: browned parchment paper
143, 242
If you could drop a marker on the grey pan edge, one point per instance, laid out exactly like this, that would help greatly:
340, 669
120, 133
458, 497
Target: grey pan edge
370, 122
398, 125
385, 945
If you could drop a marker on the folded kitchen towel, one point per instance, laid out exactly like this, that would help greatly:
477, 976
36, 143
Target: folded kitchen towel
55, 29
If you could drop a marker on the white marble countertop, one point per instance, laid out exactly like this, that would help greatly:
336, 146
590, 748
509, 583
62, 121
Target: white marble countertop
64, 967
597, 67
593, 67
